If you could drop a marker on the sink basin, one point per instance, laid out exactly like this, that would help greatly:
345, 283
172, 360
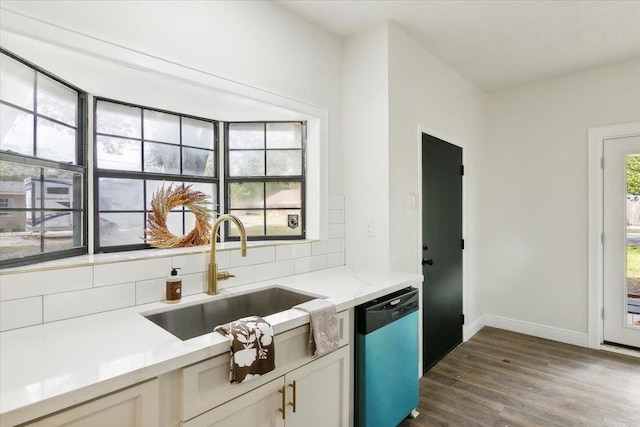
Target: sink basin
195, 320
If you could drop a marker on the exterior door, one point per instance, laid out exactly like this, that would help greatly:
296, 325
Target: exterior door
442, 248
622, 241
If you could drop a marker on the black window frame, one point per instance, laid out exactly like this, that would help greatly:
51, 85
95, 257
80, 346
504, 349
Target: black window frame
142, 175
228, 179
80, 167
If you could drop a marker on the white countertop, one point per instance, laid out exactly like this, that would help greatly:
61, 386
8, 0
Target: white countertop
48, 367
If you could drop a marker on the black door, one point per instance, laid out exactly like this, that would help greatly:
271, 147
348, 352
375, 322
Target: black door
442, 248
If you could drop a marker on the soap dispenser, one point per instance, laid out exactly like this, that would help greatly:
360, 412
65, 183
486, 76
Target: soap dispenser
174, 287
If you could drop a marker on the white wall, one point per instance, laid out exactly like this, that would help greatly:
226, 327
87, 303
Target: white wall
534, 210
423, 91
257, 44
366, 147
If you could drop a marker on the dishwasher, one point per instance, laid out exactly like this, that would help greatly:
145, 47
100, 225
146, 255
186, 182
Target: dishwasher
386, 359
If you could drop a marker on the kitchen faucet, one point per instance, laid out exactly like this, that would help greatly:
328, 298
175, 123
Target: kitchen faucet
214, 275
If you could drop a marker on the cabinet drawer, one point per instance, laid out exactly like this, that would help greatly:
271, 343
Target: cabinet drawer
205, 385
137, 406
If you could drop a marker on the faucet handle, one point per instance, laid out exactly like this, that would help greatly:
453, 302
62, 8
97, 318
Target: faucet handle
224, 275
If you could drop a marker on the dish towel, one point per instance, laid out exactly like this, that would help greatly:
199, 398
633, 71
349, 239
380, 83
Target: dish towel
324, 335
252, 348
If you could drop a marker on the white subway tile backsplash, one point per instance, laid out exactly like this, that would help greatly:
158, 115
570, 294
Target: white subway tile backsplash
335, 259
243, 275
88, 301
320, 248
192, 263
150, 291
336, 245
132, 271
336, 201
194, 284
23, 285
19, 313
223, 259
336, 216
274, 270
335, 231
313, 263
254, 256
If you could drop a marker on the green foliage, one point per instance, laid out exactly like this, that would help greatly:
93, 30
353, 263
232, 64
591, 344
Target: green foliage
633, 175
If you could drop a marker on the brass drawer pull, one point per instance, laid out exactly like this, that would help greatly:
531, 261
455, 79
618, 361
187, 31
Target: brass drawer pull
283, 409
293, 386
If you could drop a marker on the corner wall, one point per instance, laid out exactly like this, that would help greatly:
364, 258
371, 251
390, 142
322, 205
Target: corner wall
534, 212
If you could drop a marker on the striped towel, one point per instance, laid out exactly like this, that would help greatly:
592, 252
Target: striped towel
252, 348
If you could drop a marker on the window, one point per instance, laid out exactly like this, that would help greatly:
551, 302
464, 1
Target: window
42, 139
137, 151
264, 180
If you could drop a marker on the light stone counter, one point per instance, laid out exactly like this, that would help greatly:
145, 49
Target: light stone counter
52, 366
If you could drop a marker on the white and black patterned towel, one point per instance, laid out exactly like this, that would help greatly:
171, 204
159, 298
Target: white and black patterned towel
324, 334
252, 348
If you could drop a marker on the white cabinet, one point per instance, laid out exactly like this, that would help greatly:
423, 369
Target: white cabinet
136, 406
316, 394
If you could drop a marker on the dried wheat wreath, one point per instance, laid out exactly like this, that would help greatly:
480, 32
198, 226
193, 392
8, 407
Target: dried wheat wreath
158, 234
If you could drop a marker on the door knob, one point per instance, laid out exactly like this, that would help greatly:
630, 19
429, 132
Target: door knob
427, 261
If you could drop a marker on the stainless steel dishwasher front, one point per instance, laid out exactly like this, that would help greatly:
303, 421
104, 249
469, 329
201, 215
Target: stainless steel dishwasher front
387, 359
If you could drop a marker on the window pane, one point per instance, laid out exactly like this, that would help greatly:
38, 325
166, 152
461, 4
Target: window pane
253, 222
174, 223
246, 135
284, 162
56, 100
283, 195
15, 178
16, 130
118, 194
282, 222
161, 158
246, 163
120, 120
16, 245
161, 127
246, 195
189, 222
62, 189
16, 83
197, 133
208, 188
154, 186
119, 154
121, 229
55, 142
62, 239
198, 162
284, 135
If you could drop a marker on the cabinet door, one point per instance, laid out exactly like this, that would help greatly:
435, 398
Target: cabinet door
257, 408
318, 393
136, 406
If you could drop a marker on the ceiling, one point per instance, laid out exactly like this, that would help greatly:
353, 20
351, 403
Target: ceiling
497, 44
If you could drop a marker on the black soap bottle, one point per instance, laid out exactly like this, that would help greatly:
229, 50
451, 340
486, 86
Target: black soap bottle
174, 287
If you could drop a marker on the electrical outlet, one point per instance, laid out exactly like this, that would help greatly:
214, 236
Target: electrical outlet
368, 228
414, 200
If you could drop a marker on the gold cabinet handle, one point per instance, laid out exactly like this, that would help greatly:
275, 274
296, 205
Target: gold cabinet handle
293, 386
283, 409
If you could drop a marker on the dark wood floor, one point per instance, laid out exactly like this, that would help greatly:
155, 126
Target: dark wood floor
500, 378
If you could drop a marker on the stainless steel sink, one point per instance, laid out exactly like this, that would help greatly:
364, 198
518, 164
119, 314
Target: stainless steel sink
195, 320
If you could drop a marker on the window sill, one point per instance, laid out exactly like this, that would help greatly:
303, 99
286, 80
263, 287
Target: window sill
115, 257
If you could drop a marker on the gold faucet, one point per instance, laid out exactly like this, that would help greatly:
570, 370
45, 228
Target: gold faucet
214, 275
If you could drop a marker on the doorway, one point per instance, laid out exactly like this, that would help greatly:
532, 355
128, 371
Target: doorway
442, 246
621, 243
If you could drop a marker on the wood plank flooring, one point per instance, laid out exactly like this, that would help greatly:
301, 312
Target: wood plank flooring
500, 378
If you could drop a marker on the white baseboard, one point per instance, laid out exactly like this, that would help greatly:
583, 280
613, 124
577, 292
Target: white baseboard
472, 328
534, 329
